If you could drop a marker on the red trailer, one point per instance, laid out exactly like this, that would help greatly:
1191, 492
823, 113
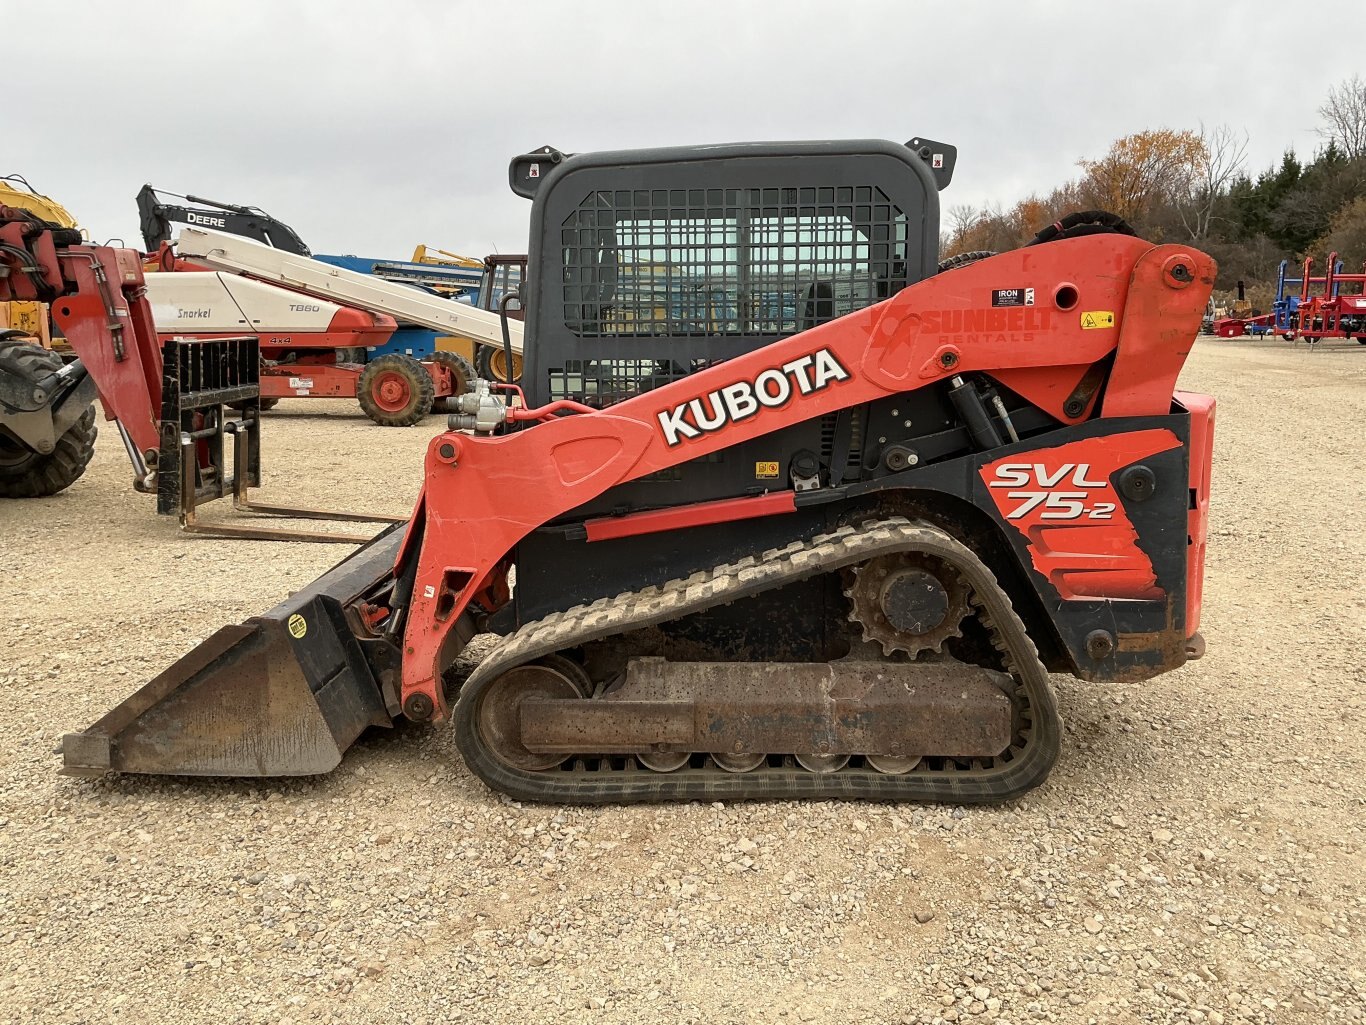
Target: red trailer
1330, 314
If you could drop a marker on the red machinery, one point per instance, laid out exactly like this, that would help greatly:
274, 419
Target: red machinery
808, 516
1330, 314
99, 302
1236, 327
169, 399
311, 347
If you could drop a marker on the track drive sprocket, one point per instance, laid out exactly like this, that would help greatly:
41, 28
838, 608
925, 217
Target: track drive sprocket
907, 602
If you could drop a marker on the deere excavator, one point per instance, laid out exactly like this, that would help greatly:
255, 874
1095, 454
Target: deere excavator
788, 507
157, 219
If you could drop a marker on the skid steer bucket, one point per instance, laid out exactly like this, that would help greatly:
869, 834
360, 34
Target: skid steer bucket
283, 694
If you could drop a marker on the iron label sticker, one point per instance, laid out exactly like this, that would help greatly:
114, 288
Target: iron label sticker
1012, 297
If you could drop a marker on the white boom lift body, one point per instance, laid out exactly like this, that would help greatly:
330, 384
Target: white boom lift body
242, 256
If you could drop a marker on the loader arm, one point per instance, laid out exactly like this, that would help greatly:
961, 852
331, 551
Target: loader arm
1100, 298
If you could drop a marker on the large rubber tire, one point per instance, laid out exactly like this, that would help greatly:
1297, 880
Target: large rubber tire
395, 391
462, 378
25, 473
492, 364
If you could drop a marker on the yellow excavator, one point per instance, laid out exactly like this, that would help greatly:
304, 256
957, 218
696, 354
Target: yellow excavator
30, 319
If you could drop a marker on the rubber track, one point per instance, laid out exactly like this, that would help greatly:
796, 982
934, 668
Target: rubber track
1022, 767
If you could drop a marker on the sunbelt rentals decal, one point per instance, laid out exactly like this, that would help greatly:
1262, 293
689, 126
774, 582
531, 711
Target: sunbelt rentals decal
769, 389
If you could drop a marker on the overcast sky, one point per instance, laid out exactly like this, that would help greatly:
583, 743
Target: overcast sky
373, 126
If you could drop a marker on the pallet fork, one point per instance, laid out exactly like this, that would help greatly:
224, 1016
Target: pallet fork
202, 380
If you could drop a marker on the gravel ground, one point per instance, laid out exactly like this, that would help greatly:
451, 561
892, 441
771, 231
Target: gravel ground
1197, 856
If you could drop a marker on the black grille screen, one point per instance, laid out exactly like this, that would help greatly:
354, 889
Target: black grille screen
761, 261
601, 382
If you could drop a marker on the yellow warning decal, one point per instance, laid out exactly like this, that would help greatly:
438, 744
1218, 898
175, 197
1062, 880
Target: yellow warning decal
1093, 319
297, 626
765, 471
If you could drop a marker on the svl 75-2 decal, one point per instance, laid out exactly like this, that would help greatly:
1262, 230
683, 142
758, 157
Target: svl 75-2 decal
1032, 484
1062, 501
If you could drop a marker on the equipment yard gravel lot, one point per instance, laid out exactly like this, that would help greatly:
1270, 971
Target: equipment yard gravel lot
1198, 855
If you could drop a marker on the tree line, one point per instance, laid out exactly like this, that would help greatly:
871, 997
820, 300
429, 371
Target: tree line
1193, 186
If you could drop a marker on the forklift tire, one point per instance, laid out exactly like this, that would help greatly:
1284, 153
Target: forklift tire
492, 364
25, 473
395, 391
462, 378
350, 354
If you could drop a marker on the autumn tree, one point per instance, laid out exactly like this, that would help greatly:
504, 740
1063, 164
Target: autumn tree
1344, 115
1142, 171
1192, 185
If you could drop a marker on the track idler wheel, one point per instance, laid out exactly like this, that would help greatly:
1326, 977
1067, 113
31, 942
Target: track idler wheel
890, 765
499, 712
663, 761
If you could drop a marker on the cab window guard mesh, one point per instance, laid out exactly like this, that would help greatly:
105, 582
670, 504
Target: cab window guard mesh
689, 262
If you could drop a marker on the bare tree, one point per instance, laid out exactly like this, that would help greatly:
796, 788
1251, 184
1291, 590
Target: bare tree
1223, 154
962, 217
1345, 114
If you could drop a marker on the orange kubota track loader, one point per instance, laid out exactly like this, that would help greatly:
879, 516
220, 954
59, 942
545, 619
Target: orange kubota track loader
794, 509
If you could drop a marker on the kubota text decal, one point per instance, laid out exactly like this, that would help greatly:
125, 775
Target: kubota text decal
1063, 501
769, 389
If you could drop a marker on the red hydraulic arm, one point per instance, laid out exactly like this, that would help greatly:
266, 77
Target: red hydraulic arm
1096, 295
108, 322
99, 301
